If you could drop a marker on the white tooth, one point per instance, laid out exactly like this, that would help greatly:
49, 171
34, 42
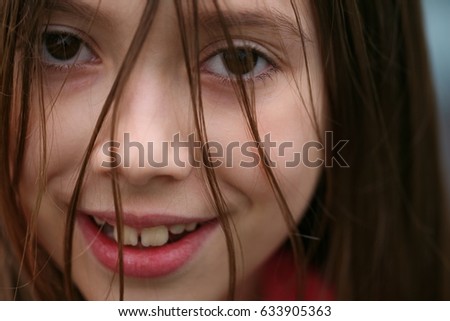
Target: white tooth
116, 235
155, 236
130, 236
99, 221
190, 227
177, 229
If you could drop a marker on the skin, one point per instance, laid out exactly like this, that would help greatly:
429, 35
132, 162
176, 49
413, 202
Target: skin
151, 110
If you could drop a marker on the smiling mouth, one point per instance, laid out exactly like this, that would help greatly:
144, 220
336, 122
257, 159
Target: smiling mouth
153, 245
146, 237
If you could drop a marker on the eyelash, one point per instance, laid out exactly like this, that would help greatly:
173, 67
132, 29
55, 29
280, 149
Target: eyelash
72, 62
249, 47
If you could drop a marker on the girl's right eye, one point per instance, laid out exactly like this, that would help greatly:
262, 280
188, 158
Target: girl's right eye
63, 49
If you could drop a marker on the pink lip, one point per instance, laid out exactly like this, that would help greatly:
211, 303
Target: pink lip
149, 262
140, 222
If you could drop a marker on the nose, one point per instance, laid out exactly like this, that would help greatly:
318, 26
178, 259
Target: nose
151, 121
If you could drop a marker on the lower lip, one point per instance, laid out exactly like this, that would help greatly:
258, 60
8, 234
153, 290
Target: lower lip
149, 262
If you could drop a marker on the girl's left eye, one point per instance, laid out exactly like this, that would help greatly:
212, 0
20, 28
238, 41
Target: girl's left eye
63, 49
244, 61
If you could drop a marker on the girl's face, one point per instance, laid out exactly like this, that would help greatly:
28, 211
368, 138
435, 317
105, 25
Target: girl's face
174, 246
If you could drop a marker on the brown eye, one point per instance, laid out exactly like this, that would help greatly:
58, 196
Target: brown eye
246, 60
62, 46
241, 61
65, 49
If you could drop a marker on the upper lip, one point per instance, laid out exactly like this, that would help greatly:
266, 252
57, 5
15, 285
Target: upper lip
140, 221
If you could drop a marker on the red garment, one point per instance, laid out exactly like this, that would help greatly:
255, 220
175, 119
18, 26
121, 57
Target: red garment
279, 283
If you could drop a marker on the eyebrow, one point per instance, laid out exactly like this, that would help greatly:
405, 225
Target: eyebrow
274, 20
211, 20
79, 10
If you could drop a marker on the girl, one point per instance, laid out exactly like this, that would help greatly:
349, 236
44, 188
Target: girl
218, 149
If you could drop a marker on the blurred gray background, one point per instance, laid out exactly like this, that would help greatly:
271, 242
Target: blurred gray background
437, 27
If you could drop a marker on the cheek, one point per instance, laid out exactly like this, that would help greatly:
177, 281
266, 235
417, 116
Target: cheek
69, 122
66, 132
296, 151
284, 126
289, 134
64, 148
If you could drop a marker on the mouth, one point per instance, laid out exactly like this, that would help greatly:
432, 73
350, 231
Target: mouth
156, 247
149, 236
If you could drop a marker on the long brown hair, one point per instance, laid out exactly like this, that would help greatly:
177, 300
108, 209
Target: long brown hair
381, 223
